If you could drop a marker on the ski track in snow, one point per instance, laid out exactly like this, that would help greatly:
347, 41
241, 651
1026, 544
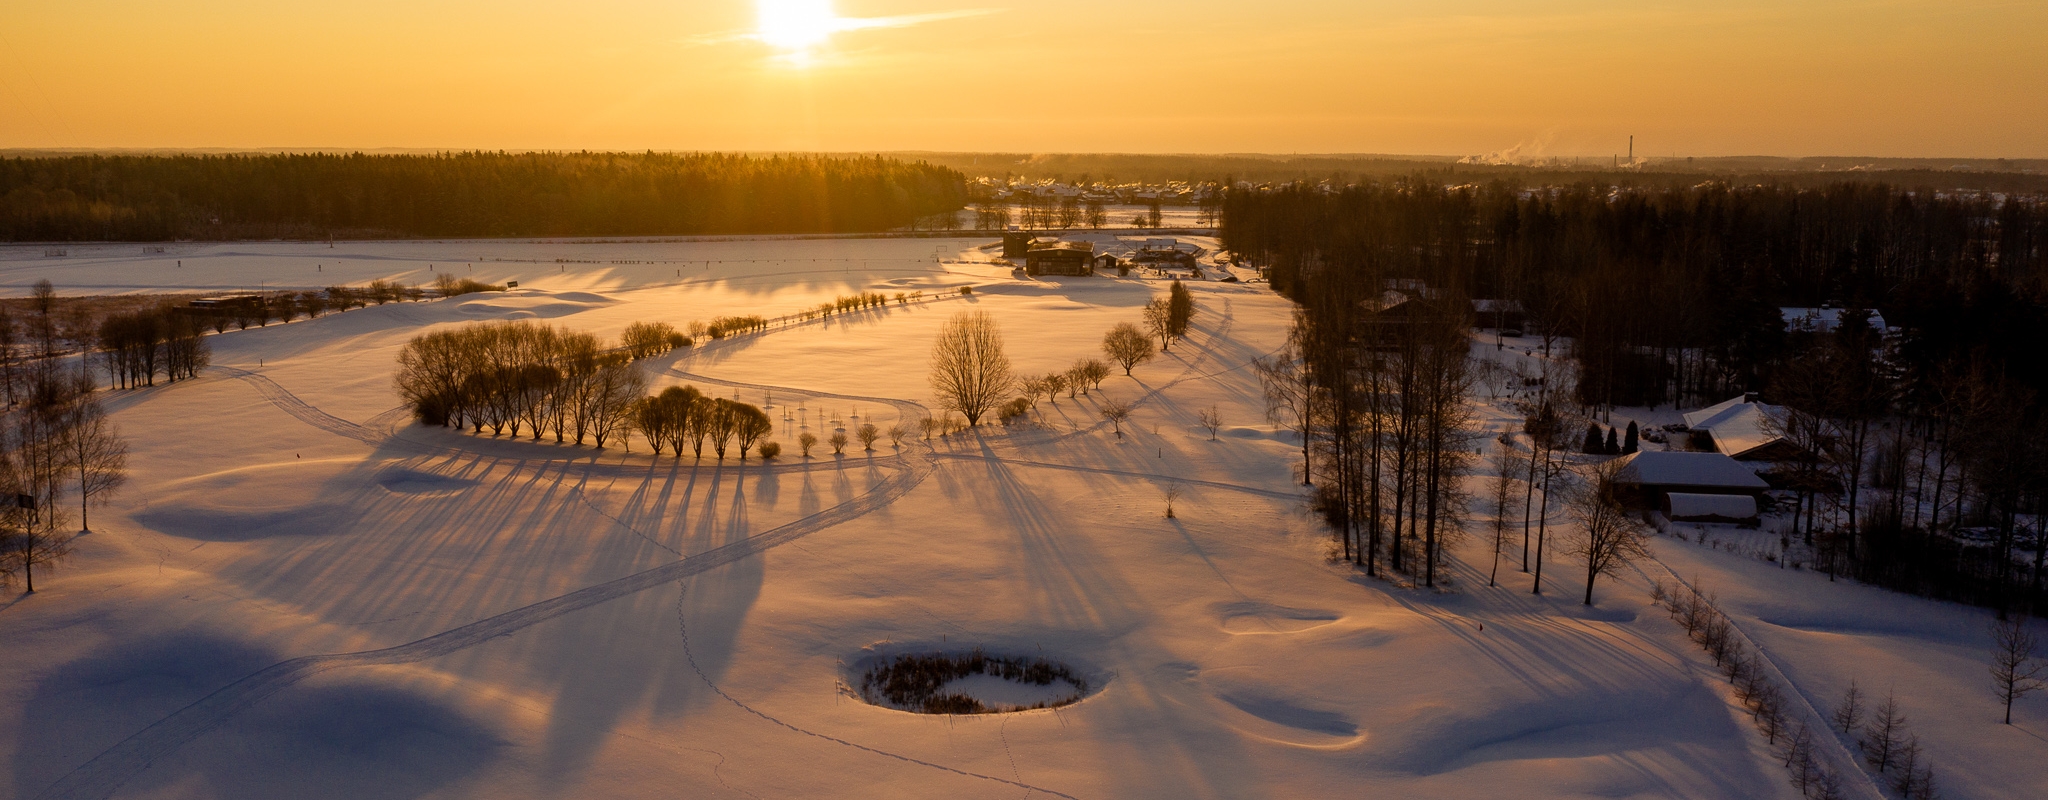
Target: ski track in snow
105, 773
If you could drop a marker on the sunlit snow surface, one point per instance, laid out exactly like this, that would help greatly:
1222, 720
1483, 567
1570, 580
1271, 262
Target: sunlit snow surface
280, 507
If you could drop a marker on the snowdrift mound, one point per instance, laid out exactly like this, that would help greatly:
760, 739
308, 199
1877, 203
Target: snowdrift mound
528, 304
972, 681
258, 502
1249, 617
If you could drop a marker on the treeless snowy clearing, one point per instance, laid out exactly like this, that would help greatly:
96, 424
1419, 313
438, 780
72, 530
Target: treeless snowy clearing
302, 595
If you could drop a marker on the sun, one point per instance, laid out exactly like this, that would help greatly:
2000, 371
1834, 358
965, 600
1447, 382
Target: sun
796, 25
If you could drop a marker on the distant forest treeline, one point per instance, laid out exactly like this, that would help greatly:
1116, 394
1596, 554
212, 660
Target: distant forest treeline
1992, 175
1673, 294
157, 198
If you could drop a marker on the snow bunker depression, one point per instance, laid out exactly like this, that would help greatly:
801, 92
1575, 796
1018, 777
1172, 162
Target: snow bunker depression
926, 681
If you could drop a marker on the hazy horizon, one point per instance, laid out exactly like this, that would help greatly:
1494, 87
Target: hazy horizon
1875, 78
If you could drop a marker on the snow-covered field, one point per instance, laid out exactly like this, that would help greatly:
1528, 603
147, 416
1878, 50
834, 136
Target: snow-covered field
299, 595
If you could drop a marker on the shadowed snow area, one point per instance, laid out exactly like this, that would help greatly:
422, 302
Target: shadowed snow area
301, 593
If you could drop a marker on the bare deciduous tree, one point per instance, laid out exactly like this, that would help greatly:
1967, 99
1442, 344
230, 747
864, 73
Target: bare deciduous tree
1288, 390
1501, 499
1173, 492
806, 441
970, 374
1607, 539
1159, 321
867, 434
838, 441
896, 434
1127, 346
2015, 668
1116, 411
95, 450
1884, 734
1849, 713
1210, 419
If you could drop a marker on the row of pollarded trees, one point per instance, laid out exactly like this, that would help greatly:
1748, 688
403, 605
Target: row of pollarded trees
524, 375
681, 415
58, 441
520, 375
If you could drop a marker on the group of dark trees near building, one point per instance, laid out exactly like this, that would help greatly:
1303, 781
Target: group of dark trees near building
1377, 391
155, 198
1928, 465
681, 415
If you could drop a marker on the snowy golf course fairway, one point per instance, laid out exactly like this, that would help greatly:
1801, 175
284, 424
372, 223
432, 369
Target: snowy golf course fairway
300, 594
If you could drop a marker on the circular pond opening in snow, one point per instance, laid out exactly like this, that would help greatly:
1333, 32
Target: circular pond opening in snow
972, 682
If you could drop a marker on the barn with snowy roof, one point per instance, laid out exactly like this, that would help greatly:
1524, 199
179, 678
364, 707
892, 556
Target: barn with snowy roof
1742, 428
1648, 479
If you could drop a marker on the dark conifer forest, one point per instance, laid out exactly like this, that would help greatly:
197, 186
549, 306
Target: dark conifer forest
475, 194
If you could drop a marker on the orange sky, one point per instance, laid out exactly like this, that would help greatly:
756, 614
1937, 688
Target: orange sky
1959, 78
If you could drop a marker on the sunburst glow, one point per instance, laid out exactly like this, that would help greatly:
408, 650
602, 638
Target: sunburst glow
797, 25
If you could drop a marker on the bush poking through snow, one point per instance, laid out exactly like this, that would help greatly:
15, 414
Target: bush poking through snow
769, 450
916, 681
896, 434
838, 441
806, 440
1013, 409
867, 434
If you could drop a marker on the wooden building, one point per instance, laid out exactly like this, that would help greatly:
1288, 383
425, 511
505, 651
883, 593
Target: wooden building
1060, 258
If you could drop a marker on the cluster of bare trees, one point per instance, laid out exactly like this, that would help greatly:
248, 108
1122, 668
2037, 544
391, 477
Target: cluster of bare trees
682, 415
135, 346
57, 441
649, 339
520, 375
858, 302
1168, 317
1378, 396
1888, 743
722, 327
1085, 374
